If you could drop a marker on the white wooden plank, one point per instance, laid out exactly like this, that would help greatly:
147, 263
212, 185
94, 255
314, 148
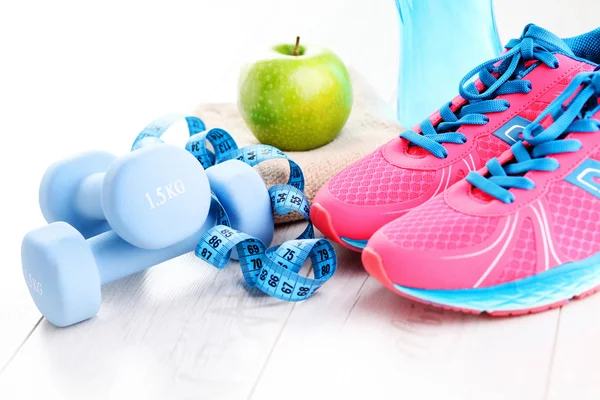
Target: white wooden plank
385, 345
182, 329
575, 368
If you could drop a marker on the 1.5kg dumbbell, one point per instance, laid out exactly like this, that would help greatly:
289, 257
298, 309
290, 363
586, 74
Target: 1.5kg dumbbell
64, 272
138, 195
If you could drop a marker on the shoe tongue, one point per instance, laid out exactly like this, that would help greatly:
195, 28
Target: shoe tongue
546, 38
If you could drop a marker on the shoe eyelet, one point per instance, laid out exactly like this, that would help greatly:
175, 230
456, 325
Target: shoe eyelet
529, 86
507, 103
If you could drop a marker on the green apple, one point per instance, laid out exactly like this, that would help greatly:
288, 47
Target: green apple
295, 97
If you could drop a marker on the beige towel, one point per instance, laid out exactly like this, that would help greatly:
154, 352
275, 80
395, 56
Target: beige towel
371, 123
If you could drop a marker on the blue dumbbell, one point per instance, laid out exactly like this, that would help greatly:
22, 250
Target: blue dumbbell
64, 271
138, 195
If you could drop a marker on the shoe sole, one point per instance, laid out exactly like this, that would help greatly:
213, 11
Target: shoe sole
545, 291
322, 221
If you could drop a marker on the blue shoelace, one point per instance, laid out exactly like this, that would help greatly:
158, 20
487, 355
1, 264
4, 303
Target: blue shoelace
544, 142
535, 44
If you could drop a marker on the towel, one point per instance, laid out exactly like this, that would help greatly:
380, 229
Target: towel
371, 123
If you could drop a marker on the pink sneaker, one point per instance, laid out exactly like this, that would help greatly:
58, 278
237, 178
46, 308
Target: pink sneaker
520, 236
479, 124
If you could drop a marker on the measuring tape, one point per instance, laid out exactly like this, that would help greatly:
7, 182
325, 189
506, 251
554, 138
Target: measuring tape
274, 270
257, 153
154, 130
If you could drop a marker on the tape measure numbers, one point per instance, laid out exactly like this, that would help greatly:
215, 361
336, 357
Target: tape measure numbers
221, 142
275, 271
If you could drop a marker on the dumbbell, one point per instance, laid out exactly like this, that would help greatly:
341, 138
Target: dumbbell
138, 195
64, 271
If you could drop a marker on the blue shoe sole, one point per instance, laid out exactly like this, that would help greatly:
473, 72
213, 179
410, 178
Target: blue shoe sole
539, 292
359, 244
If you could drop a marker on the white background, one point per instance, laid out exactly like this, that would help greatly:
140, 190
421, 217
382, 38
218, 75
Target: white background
79, 75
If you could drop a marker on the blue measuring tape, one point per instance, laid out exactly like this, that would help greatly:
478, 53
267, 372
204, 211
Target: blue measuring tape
257, 153
154, 130
221, 142
274, 270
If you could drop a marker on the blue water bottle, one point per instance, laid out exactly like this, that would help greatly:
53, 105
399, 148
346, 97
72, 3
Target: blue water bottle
440, 42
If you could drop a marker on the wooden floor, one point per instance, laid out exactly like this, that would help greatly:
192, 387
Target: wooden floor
183, 330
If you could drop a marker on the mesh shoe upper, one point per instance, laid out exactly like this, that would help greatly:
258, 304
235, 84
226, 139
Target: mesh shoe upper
373, 181
435, 225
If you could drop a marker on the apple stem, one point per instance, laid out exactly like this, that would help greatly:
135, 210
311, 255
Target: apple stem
297, 44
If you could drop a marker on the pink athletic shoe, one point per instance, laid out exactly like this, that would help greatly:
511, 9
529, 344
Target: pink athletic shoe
520, 236
479, 124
